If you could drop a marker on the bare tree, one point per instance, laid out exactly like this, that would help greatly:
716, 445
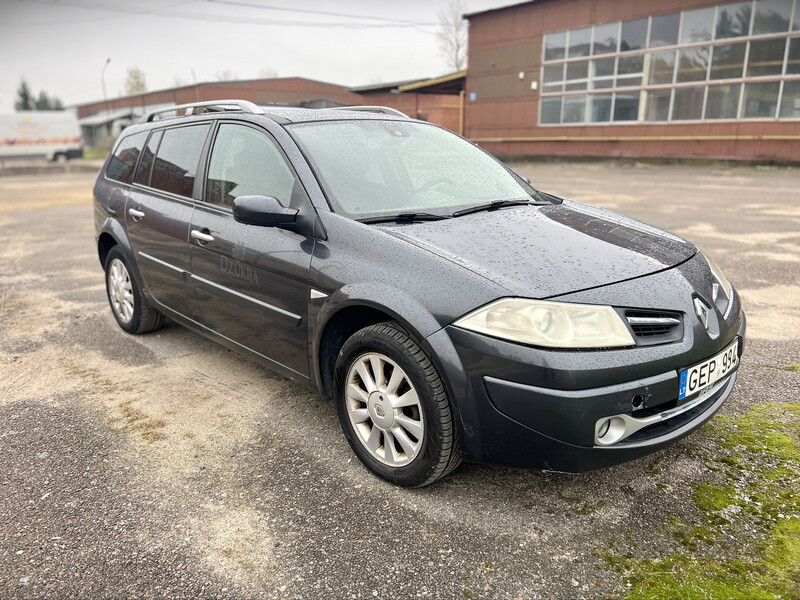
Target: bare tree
452, 35
135, 82
267, 73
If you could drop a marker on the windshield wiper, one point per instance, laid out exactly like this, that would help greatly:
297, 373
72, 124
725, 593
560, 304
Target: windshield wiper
493, 205
409, 216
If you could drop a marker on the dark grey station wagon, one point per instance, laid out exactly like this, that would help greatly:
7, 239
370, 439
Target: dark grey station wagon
450, 310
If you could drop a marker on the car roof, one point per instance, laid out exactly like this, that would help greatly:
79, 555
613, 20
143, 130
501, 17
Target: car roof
293, 114
283, 115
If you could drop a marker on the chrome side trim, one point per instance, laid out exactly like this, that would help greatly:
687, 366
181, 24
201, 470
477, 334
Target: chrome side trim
296, 319
163, 264
291, 317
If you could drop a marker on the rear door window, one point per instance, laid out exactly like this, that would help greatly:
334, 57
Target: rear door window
123, 162
177, 159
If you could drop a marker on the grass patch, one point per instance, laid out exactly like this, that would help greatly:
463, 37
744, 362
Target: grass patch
90, 153
759, 459
795, 368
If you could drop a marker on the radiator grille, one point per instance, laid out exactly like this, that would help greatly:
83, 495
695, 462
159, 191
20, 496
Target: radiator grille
655, 327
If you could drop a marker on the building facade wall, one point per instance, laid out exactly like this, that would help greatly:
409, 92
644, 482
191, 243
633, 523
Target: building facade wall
441, 109
290, 91
506, 58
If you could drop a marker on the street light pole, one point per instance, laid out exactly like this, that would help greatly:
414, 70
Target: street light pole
103, 82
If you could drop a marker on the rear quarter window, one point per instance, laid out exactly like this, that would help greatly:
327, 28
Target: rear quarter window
175, 167
123, 162
148, 157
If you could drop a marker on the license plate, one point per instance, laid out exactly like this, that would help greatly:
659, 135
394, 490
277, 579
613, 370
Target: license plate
710, 371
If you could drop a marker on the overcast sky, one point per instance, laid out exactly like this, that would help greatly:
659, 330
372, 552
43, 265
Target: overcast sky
60, 46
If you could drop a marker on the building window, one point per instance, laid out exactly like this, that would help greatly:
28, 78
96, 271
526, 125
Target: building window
633, 35
772, 16
733, 20
697, 25
605, 38
664, 30
688, 103
722, 102
766, 57
739, 60
760, 100
790, 101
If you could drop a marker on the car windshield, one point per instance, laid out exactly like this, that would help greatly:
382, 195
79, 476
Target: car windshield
370, 168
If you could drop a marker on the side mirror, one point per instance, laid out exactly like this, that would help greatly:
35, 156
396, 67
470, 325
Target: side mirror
264, 211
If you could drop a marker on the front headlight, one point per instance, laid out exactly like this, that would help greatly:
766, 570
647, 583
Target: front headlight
550, 324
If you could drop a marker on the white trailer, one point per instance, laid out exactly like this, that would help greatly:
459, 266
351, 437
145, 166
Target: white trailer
50, 134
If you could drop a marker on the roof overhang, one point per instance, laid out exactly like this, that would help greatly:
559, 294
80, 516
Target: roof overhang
106, 117
499, 8
452, 83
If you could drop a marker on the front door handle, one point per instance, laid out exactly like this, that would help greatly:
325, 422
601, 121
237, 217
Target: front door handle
136, 214
202, 237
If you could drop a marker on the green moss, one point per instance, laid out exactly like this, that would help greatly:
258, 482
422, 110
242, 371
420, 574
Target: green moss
759, 460
680, 578
783, 557
762, 431
694, 537
713, 497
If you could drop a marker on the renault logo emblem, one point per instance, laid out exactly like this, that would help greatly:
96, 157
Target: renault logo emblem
702, 311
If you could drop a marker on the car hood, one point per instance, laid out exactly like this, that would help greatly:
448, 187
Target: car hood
544, 251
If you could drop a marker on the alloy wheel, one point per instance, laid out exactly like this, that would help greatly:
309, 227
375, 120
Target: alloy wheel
384, 409
120, 290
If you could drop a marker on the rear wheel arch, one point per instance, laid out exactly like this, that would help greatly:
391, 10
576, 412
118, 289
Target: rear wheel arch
105, 243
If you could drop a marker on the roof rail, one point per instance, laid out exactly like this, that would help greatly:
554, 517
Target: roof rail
381, 109
191, 108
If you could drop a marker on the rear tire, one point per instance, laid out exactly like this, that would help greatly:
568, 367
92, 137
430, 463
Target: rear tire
393, 407
128, 304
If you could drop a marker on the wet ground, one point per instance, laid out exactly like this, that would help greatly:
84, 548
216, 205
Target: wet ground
166, 466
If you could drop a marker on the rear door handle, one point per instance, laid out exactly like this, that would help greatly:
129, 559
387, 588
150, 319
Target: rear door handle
136, 214
202, 237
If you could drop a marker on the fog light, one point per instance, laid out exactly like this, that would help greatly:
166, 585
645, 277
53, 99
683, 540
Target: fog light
609, 430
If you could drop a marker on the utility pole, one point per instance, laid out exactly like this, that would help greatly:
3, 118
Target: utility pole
103, 82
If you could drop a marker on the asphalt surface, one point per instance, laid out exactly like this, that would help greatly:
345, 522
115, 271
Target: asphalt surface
166, 466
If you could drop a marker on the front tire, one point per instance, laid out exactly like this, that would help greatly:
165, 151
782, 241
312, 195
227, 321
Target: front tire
393, 407
128, 305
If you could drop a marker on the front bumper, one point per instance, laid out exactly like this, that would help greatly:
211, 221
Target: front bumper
540, 440
539, 409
